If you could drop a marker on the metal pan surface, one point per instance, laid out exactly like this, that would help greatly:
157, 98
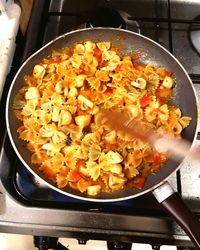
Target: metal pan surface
128, 43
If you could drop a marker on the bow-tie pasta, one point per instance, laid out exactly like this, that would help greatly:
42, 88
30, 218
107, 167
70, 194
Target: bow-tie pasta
59, 106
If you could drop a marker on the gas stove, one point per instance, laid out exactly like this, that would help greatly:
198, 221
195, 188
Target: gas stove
30, 207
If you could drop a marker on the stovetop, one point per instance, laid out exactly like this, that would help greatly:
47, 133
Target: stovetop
28, 206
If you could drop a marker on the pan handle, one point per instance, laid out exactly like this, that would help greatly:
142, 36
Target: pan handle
175, 207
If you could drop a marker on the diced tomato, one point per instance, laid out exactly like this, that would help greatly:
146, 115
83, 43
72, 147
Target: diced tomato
122, 102
137, 66
157, 162
81, 71
156, 110
164, 92
109, 91
144, 101
64, 171
136, 56
168, 73
78, 109
139, 182
56, 60
80, 163
101, 62
78, 142
110, 146
98, 55
157, 159
97, 52
86, 92
117, 69
76, 176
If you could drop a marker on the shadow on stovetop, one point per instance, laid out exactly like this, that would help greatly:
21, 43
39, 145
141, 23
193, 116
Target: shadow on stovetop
24, 188
34, 190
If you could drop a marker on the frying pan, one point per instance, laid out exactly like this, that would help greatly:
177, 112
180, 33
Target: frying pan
184, 97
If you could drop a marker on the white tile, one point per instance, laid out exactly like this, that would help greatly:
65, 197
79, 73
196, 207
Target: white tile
25, 242
168, 248
15, 242
91, 244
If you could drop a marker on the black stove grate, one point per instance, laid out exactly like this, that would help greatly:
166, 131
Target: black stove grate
40, 27
161, 23
46, 25
33, 192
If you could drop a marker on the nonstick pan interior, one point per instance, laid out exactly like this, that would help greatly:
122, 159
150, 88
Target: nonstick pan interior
128, 43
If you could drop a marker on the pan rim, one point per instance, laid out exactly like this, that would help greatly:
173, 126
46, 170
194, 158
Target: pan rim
88, 198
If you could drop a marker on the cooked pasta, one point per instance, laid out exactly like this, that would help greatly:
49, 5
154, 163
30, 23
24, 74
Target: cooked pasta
59, 106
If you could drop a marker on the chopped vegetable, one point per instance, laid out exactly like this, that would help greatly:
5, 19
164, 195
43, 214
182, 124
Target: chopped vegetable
139, 83
117, 69
76, 176
163, 92
168, 73
59, 108
144, 101
136, 56
139, 182
168, 82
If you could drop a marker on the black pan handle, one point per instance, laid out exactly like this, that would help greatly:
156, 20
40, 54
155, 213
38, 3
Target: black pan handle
176, 208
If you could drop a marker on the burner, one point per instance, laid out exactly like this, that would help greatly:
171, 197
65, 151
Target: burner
106, 17
195, 34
